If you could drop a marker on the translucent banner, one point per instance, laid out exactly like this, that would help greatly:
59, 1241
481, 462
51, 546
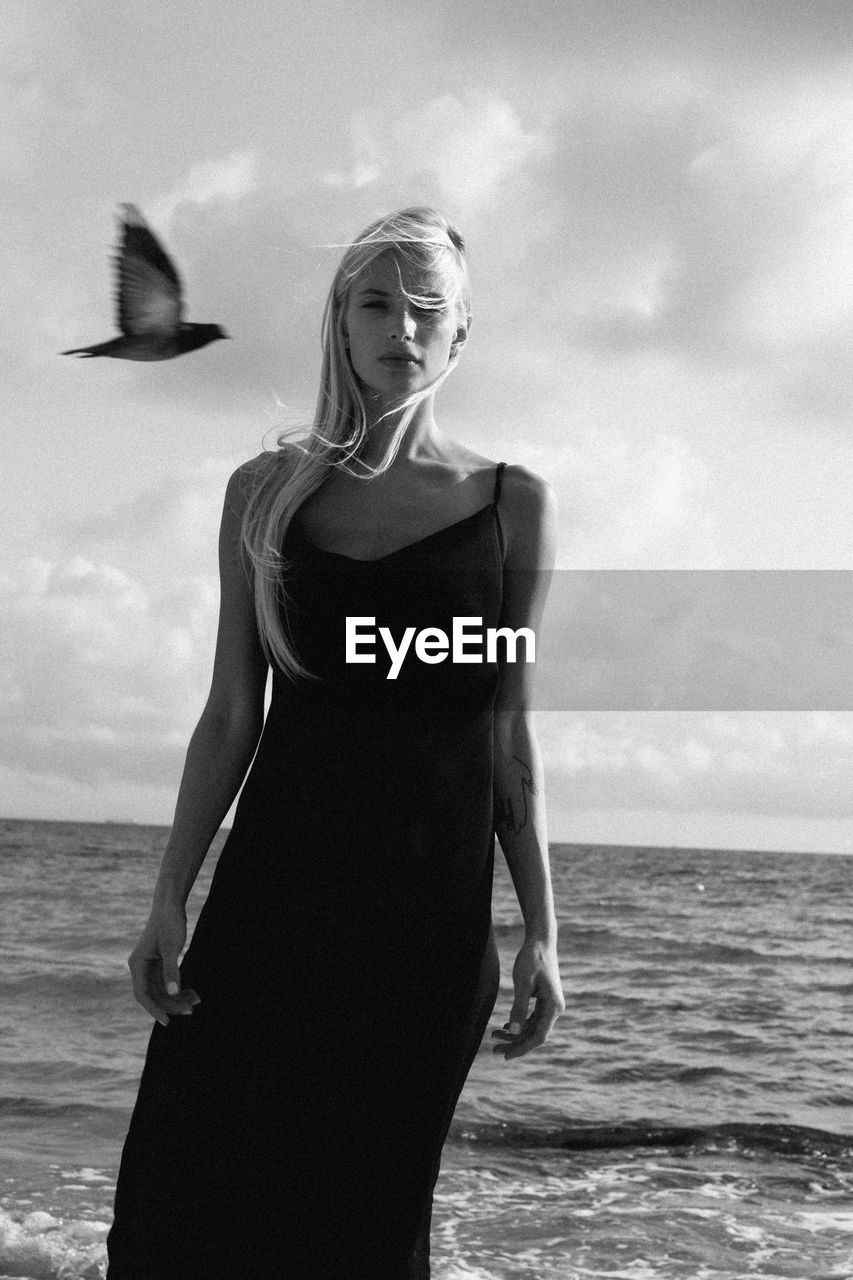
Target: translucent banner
696, 640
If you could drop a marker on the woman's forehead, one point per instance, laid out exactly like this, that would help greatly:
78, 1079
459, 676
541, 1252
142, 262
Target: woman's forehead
389, 271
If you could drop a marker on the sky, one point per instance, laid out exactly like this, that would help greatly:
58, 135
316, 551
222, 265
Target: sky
658, 203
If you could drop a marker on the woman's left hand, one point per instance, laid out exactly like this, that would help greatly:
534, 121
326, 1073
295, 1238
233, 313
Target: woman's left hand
535, 975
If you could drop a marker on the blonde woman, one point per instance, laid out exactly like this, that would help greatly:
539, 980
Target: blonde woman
310, 1050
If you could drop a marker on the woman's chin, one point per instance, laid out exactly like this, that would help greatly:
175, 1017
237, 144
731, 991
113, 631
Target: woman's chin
387, 397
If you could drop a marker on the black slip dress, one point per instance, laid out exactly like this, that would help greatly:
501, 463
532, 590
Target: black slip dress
292, 1127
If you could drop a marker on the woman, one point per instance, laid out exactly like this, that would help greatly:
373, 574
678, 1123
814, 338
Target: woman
310, 1051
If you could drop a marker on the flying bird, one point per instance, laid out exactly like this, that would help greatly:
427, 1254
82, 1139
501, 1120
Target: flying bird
150, 301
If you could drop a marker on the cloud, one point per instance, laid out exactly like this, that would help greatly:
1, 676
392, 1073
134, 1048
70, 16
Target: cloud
780, 764
467, 144
106, 644
712, 228
473, 144
224, 181
367, 160
633, 497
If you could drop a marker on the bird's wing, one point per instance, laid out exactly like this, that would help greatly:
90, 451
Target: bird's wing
149, 288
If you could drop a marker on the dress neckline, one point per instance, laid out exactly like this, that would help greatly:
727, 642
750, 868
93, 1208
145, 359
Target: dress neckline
389, 555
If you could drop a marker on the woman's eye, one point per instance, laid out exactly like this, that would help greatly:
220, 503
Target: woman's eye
430, 313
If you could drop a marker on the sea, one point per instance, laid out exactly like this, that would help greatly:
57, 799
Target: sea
690, 1118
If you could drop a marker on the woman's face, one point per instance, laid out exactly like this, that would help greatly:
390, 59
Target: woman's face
396, 347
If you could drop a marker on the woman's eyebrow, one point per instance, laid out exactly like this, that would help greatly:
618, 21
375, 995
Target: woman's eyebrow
367, 291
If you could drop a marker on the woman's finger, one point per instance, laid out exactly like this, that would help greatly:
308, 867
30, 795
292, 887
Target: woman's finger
509, 1036
536, 1030
160, 1008
171, 974
148, 991
142, 997
139, 974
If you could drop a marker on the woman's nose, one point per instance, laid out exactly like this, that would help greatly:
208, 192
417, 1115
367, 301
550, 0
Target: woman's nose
402, 324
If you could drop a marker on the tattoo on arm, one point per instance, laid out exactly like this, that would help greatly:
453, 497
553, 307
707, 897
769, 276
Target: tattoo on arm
506, 815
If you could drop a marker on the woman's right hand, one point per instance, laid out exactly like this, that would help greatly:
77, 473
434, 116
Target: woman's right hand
153, 964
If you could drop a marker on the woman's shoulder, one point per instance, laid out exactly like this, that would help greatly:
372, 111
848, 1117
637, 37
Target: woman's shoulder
528, 511
519, 484
269, 460
266, 467
523, 487
527, 504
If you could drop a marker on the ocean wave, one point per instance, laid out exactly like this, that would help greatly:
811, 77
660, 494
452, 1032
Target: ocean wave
41, 1246
711, 953
82, 981
40, 1108
832, 1099
661, 1071
740, 1136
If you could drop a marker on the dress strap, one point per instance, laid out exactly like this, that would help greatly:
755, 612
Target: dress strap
498, 477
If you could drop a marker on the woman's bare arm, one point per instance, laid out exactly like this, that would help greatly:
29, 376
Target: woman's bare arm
519, 786
218, 757
520, 823
223, 744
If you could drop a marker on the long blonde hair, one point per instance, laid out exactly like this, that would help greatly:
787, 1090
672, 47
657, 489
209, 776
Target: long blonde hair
423, 238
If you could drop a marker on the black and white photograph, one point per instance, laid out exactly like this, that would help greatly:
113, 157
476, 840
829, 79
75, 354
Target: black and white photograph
426, 636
